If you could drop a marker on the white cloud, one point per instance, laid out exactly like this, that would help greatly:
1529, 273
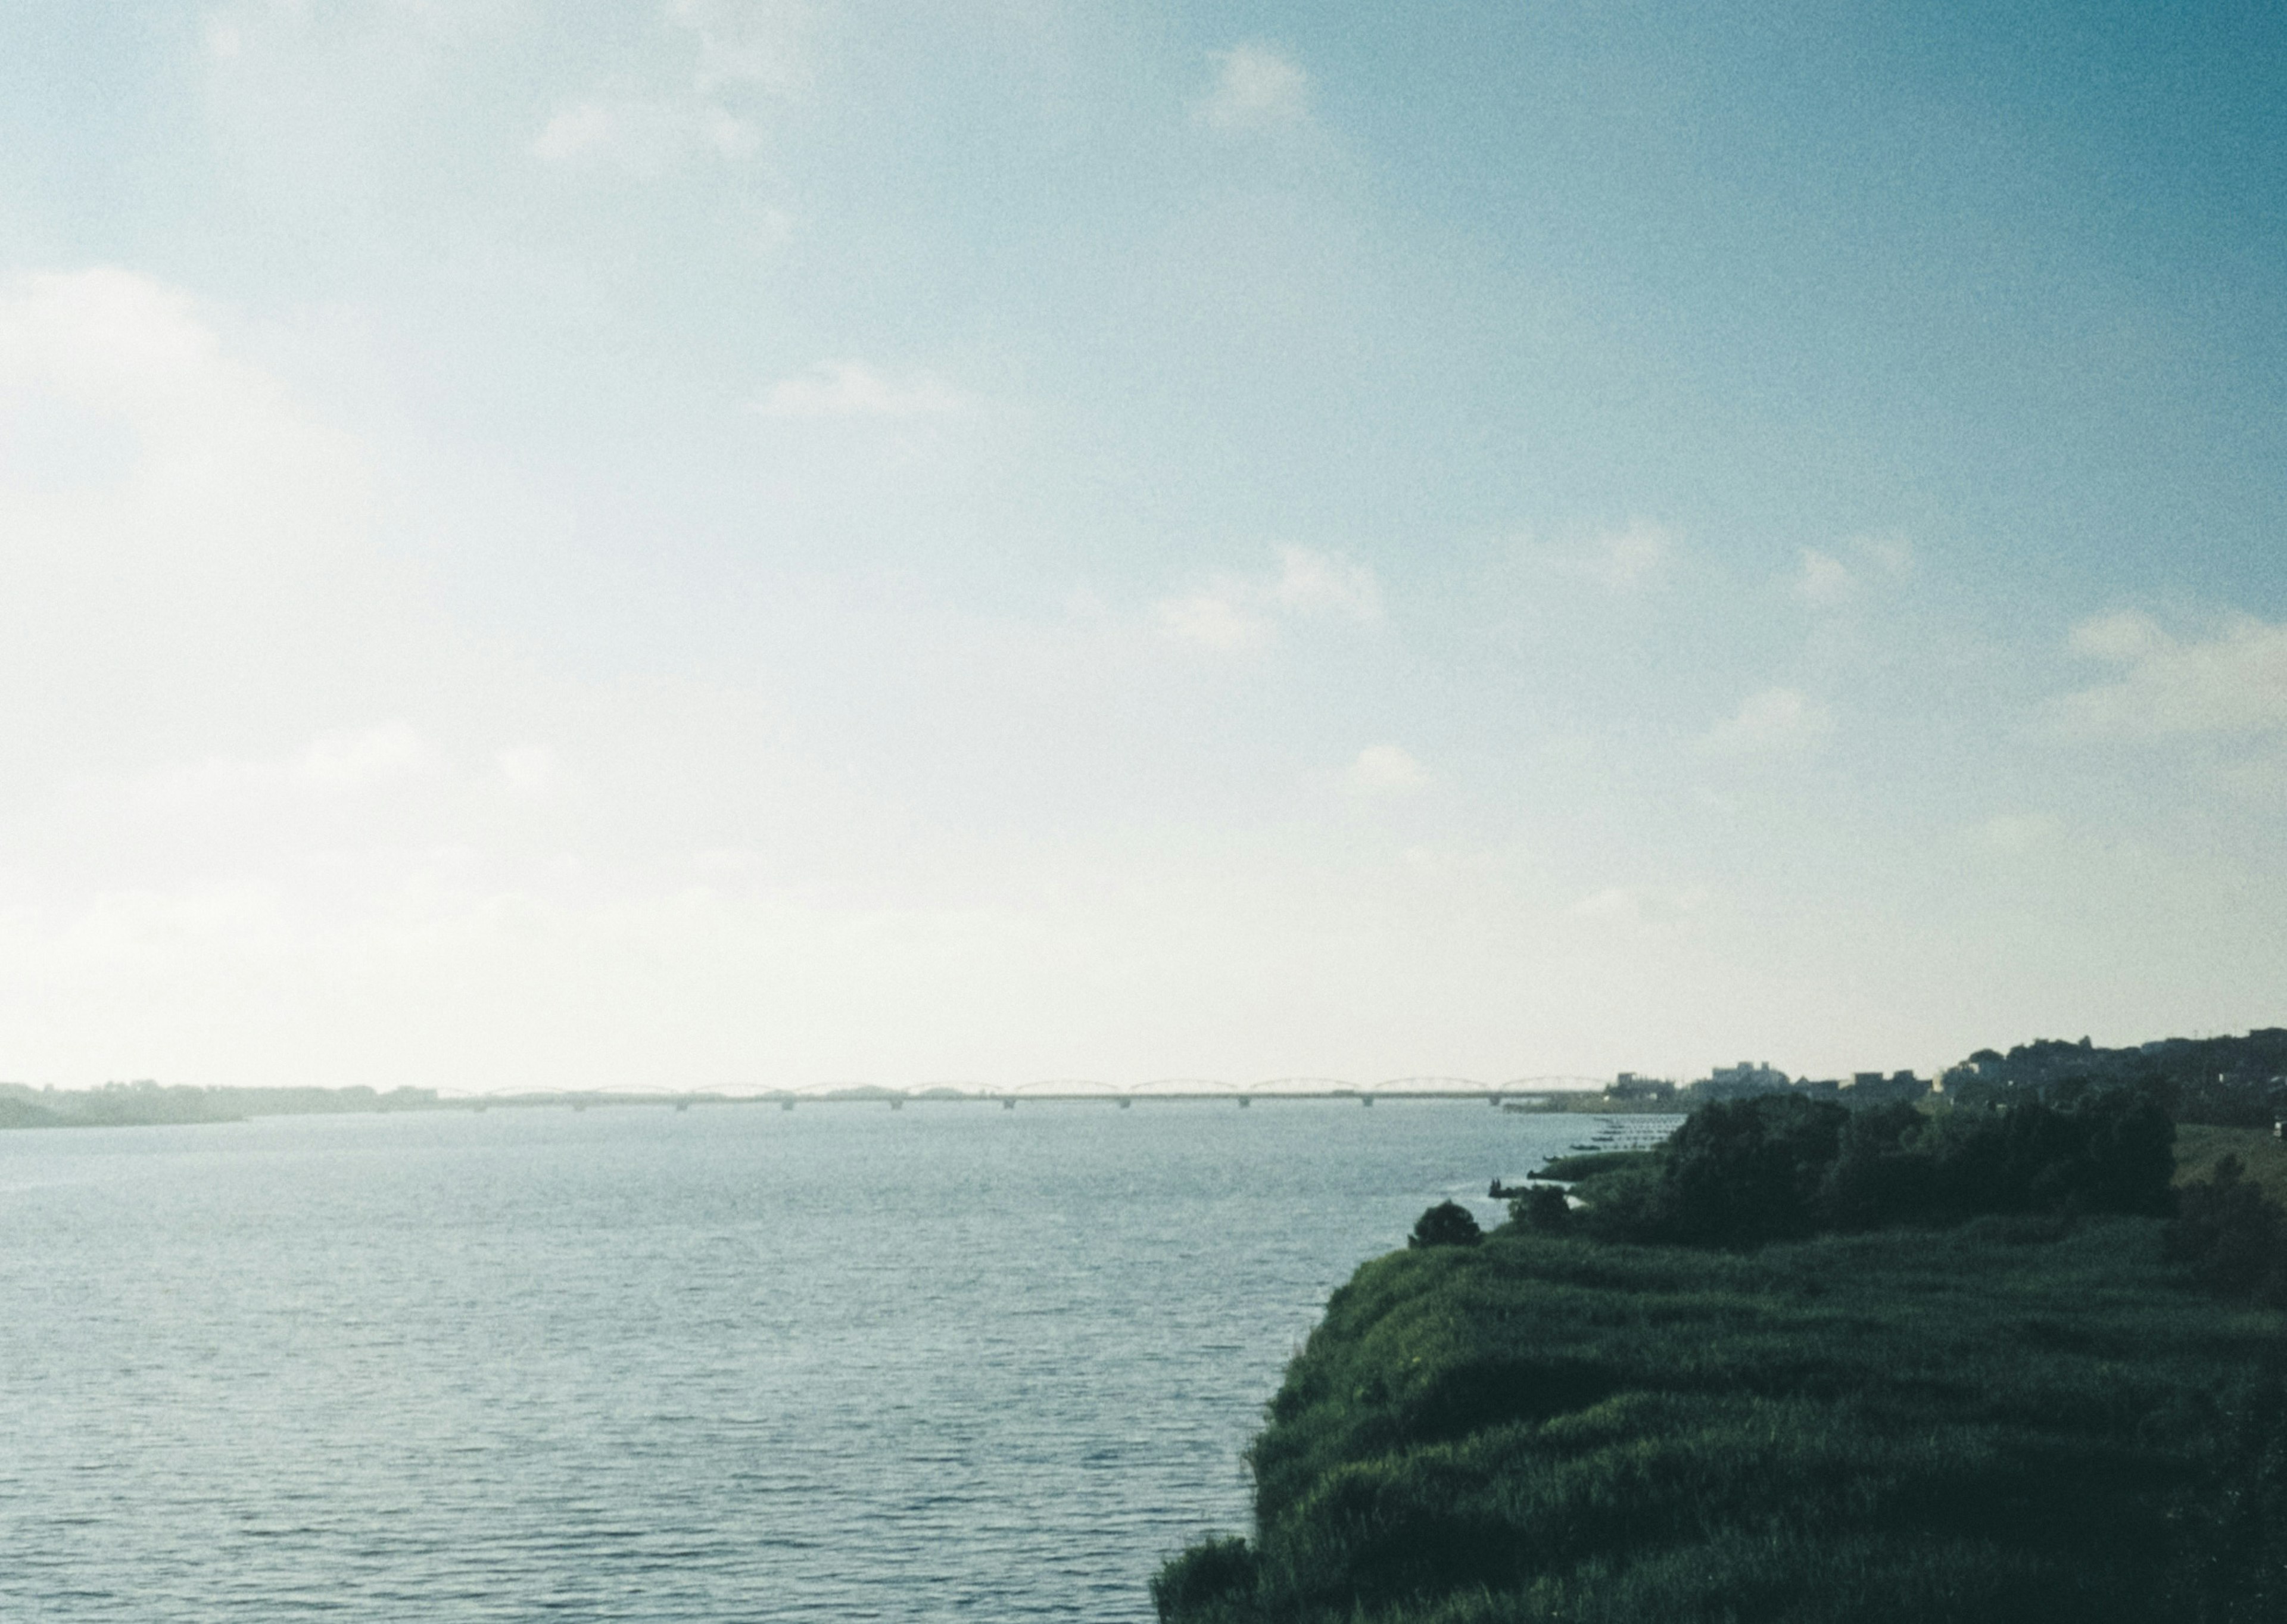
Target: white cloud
852, 389
1639, 907
1890, 555
230, 29
209, 536
1775, 721
224, 42
1235, 612
1256, 88
347, 762
2017, 832
2232, 682
1311, 582
529, 769
1212, 619
1823, 581
332, 766
643, 137
1385, 770
742, 46
1624, 560
2123, 639
757, 42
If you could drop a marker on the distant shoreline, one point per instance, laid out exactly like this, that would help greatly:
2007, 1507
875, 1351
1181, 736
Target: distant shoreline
146, 1104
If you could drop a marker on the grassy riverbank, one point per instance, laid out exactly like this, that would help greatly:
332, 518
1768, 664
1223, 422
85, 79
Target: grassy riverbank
2021, 1419
2262, 1157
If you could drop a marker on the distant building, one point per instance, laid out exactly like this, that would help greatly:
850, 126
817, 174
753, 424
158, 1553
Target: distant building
1740, 1081
1628, 1085
1873, 1088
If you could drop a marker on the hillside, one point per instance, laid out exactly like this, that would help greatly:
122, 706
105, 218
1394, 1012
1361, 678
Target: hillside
2018, 1420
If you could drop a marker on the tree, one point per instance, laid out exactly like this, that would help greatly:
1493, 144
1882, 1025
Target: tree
1544, 1208
1448, 1224
1741, 1172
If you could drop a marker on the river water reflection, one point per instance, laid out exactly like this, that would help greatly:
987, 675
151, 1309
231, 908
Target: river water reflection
945, 1362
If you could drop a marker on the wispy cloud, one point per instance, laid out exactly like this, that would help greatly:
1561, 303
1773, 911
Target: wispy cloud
852, 389
334, 765
1213, 618
757, 42
1624, 560
1777, 721
1385, 770
1256, 88
1238, 611
2232, 682
1827, 580
1640, 908
2015, 833
744, 50
643, 137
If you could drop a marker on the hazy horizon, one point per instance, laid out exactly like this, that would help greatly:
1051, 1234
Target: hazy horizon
749, 543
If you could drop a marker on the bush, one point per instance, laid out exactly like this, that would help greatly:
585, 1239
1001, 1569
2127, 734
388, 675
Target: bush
1779, 1166
1211, 1576
1543, 1210
2234, 1238
1741, 1172
1448, 1224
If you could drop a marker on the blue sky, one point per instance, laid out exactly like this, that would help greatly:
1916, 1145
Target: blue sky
734, 543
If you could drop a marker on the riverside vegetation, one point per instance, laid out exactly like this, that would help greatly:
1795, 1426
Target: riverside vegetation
1800, 1364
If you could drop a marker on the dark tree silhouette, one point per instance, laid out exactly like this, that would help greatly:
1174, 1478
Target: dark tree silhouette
1448, 1224
1543, 1207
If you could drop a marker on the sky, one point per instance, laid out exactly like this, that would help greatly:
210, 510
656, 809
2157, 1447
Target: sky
758, 544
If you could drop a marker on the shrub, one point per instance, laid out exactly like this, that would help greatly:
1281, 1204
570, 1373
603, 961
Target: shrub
1212, 1576
2234, 1238
1448, 1224
1542, 1209
1780, 1167
1745, 1171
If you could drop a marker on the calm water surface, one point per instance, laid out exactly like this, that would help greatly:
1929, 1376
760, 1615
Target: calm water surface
845, 1363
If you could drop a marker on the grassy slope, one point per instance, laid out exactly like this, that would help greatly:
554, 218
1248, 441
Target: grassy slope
1987, 1424
2199, 1150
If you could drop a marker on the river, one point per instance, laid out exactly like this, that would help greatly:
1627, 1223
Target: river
948, 1362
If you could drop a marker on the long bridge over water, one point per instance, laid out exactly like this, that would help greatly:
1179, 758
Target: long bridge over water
1553, 1090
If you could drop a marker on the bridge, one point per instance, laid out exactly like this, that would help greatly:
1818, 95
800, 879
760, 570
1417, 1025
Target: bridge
1068, 1090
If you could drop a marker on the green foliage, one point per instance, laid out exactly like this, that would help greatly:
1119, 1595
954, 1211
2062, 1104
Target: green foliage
1777, 1167
2260, 1155
1741, 1172
2232, 1237
1542, 1209
2239, 1081
2021, 1419
1209, 1581
1448, 1224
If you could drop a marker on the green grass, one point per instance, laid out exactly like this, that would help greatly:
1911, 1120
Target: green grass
2018, 1420
2262, 1157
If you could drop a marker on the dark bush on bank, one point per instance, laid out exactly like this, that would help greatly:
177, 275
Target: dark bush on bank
1210, 1581
1448, 1224
1747, 1172
1543, 1209
2232, 1237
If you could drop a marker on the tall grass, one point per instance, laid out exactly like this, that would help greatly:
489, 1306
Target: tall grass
2022, 1419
